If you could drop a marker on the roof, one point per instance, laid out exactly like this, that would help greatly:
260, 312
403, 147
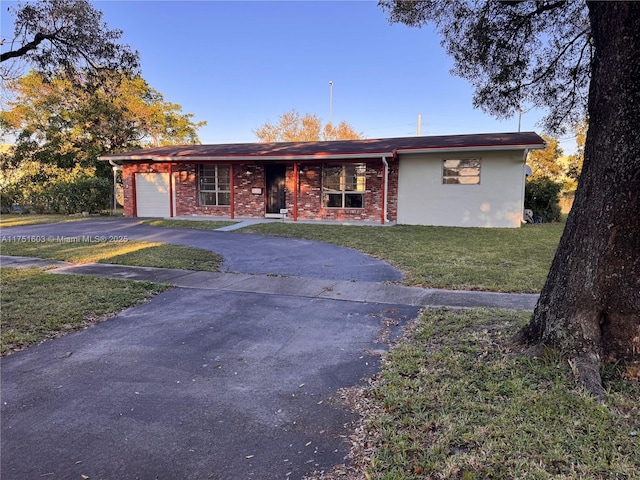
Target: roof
340, 149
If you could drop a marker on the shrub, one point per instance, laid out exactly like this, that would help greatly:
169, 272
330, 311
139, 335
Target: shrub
89, 194
48, 188
542, 195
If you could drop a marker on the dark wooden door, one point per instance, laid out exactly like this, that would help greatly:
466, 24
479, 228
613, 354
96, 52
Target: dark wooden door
276, 195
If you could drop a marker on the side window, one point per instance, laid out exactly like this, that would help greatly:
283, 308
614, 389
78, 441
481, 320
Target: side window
465, 171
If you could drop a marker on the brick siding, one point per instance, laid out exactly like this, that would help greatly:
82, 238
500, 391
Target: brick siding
247, 204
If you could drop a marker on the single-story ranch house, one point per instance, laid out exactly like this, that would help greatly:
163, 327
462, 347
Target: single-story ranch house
457, 180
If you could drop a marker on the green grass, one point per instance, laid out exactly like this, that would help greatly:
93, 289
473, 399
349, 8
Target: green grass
507, 260
21, 220
457, 400
37, 305
195, 224
135, 253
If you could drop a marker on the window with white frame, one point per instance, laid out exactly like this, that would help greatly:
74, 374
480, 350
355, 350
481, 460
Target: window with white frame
343, 186
214, 184
465, 171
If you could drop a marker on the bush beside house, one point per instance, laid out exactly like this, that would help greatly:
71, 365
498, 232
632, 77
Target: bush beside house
90, 194
45, 188
542, 196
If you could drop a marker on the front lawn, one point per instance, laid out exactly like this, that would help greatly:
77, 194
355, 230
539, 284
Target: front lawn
493, 259
21, 220
135, 253
37, 305
456, 399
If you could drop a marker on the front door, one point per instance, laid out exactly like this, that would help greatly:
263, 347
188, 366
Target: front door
276, 197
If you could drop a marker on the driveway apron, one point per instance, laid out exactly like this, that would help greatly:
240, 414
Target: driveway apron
199, 384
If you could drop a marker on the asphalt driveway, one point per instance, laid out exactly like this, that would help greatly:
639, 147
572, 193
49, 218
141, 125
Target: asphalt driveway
255, 254
199, 384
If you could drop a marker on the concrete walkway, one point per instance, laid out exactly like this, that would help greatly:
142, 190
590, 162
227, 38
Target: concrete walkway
247, 222
367, 292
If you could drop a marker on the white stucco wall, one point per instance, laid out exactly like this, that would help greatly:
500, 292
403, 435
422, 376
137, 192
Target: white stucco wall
496, 202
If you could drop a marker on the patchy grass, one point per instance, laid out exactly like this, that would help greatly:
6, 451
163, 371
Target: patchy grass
37, 306
457, 400
135, 253
21, 220
505, 260
195, 224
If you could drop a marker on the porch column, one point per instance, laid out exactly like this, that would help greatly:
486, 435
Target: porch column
296, 182
232, 193
171, 212
385, 179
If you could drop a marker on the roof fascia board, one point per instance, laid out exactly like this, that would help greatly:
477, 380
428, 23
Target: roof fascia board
246, 158
341, 156
471, 149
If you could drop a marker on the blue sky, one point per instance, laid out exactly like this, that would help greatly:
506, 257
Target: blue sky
240, 64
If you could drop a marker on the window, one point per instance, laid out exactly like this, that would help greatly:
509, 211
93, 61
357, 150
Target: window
464, 171
343, 186
214, 184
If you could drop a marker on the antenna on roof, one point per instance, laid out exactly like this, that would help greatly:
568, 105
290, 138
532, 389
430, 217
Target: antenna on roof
520, 119
330, 102
419, 124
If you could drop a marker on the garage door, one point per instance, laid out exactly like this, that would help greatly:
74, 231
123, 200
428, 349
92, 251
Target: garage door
152, 194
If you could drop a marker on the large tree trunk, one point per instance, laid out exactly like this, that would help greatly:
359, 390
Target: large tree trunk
589, 308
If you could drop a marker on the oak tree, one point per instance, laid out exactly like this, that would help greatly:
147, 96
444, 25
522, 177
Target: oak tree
578, 60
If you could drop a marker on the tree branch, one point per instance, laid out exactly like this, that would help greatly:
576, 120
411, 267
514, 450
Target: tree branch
78, 50
552, 64
32, 45
544, 7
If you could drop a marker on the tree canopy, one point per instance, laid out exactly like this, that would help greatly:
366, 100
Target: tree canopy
63, 35
544, 163
513, 53
56, 122
308, 128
